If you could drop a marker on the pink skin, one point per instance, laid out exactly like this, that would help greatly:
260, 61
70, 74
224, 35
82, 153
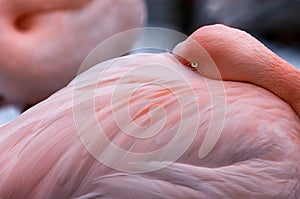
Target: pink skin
257, 155
43, 43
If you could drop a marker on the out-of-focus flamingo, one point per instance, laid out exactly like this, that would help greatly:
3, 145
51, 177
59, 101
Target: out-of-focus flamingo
43, 43
257, 155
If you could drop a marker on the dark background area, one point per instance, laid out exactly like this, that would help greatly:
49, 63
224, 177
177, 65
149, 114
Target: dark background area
274, 21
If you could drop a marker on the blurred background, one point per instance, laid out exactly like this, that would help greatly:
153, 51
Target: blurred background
275, 23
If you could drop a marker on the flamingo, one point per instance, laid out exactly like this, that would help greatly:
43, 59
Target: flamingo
43, 44
231, 53
64, 146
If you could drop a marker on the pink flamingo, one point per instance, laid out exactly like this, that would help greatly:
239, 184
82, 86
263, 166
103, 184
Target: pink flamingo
231, 51
256, 156
43, 44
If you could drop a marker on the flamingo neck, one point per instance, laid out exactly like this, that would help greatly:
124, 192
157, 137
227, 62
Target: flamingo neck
283, 79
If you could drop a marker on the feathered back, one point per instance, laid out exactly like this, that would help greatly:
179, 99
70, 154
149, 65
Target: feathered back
133, 127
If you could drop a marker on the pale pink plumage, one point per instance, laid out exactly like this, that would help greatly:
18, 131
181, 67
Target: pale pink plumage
257, 155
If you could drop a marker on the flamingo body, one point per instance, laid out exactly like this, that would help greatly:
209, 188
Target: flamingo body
256, 156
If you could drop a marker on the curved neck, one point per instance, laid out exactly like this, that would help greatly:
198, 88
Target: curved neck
283, 80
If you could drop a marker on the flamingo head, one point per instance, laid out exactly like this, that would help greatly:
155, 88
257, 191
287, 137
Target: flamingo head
224, 53
221, 52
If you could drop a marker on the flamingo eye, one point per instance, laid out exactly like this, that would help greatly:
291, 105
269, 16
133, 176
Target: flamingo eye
194, 64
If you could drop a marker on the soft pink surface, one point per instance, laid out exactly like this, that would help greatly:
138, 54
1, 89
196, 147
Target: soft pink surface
42, 44
256, 156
